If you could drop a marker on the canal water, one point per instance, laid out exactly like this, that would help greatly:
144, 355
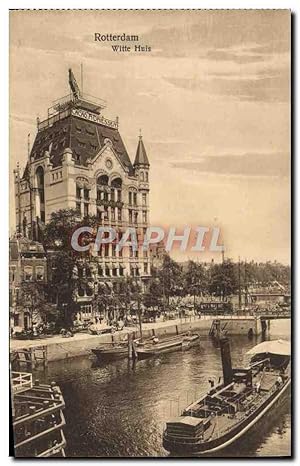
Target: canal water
119, 409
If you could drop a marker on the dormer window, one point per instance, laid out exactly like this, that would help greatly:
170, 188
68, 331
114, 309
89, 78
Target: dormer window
90, 132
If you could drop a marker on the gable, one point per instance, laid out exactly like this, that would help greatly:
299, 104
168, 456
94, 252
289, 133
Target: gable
107, 159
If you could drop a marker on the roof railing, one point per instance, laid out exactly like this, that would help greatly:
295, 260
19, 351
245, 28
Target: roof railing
63, 107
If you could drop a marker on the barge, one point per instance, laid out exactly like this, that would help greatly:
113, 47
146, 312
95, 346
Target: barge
229, 410
139, 349
155, 347
111, 351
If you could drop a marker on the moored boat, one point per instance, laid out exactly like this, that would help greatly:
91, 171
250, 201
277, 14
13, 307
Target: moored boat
190, 339
229, 410
154, 346
111, 351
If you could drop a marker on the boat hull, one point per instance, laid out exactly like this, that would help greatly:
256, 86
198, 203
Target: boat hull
224, 441
110, 355
189, 342
156, 350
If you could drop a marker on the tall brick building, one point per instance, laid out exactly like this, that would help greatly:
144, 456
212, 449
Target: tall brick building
78, 160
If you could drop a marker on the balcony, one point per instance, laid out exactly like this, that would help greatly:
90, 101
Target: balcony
107, 203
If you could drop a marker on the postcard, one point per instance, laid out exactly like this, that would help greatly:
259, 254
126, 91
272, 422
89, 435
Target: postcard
150, 233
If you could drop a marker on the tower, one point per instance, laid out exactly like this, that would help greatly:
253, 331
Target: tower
141, 170
141, 163
79, 161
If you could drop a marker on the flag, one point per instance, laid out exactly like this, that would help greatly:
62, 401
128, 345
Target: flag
73, 84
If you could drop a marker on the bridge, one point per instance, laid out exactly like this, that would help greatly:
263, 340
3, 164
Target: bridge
265, 315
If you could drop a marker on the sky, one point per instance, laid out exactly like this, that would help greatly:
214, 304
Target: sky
212, 99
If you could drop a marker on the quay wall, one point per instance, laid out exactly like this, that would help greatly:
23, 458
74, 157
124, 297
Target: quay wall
59, 348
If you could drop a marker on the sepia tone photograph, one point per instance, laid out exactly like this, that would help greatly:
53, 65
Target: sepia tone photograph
150, 233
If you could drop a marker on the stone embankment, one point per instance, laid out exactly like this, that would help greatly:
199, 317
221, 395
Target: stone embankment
80, 344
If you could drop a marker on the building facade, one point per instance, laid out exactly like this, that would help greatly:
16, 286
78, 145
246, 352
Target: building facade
27, 268
79, 161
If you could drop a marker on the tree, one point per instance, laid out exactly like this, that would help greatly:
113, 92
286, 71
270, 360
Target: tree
63, 260
32, 299
58, 231
195, 279
224, 279
102, 298
171, 277
154, 294
62, 286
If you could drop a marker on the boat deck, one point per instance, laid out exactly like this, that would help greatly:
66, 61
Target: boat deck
228, 410
223, 408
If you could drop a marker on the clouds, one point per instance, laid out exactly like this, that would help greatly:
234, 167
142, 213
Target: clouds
272, 88
252, 48
246, 165
199, 33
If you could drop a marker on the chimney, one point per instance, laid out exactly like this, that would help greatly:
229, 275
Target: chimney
226, 360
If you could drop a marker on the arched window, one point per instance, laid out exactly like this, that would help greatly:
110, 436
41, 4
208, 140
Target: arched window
102, 185
102, 180
116, 189
116, 183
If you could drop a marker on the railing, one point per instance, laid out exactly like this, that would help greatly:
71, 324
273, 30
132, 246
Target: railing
273, 315
38, 419
110, 203
67, 105
53, 119
21, 381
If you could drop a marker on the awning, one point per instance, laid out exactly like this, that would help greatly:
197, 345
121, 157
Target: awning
278, 347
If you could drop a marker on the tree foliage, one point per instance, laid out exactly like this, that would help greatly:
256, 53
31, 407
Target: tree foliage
33, 298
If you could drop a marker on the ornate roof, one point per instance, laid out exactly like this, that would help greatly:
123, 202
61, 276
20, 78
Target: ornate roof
85, 139
141, 155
